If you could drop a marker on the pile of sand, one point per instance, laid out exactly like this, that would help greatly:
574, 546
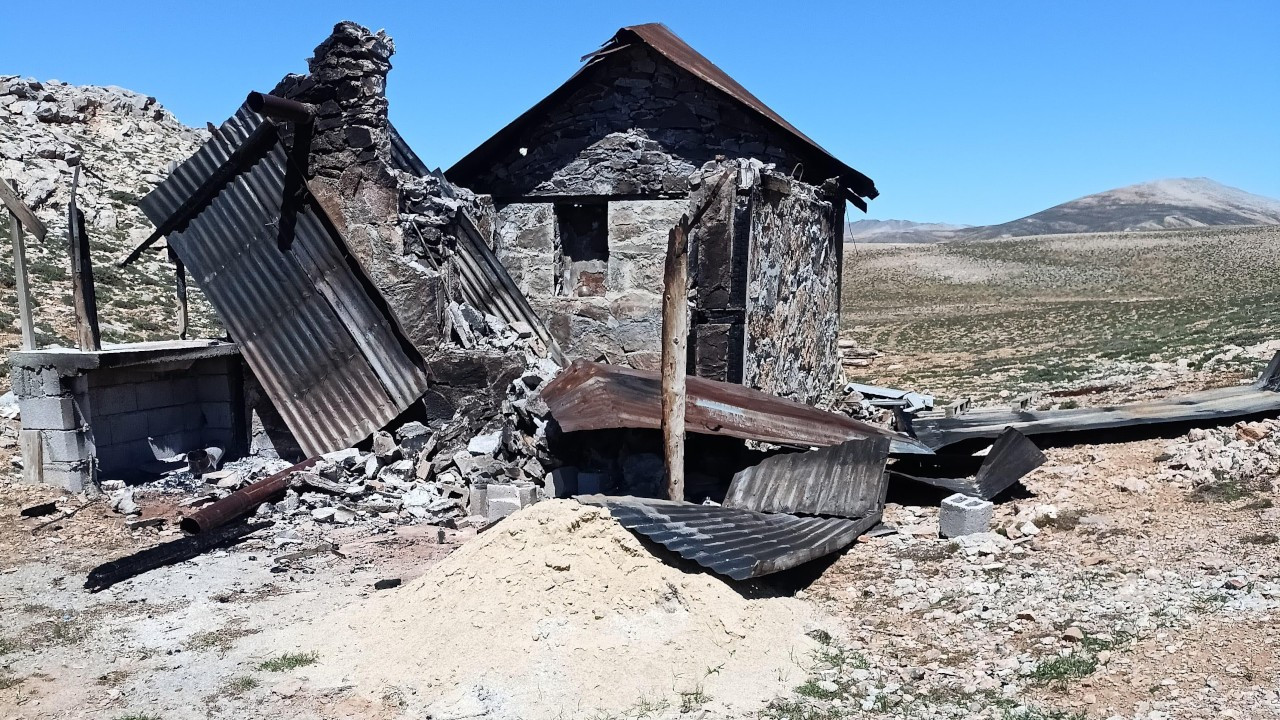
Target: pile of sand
560, 612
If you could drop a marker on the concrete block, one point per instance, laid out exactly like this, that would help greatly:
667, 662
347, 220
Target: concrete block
65, 446
592, 483
20, 383
217, 415
964, 515
166, 420
155, 394
478, 502
561, 482
48, 413
502, 500
213, 388
51, 383
185, 390
128, 427
73, 478
112, 400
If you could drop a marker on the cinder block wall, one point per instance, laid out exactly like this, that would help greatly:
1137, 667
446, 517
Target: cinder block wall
82, 425
178, 408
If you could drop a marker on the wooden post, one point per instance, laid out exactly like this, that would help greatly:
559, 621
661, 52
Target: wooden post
20, 277
180, 292
88, 336
675, 359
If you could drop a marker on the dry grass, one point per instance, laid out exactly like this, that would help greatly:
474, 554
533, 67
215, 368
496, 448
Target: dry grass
1025, 314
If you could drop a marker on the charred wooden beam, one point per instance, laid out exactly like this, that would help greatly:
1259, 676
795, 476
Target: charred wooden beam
175, 551
88, 336
180, 292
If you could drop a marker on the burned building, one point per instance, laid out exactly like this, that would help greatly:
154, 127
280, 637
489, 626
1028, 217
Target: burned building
588, 182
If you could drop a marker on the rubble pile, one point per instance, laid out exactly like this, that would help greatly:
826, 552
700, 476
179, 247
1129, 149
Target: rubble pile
448, 474
1241, 458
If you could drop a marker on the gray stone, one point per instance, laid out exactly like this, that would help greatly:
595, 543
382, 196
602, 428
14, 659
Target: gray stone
486, 444
384, 446
962, 515
413, 438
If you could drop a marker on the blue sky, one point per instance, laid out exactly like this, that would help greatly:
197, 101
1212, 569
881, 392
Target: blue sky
971, 112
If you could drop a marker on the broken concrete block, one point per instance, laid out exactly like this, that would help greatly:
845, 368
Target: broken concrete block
341, 457
964, 515
479, 500
502, 500
413, 438
384, 446
486, 444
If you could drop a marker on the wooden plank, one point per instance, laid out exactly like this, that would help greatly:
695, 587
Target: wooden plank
88, 336
9, 196
20, 283
675, 357
180, 292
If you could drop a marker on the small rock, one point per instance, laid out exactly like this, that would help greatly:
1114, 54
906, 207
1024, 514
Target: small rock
387, 584
486, 444
1073, 634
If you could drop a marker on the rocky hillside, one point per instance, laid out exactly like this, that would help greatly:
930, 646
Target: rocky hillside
900, 231
1159, 205
123, 143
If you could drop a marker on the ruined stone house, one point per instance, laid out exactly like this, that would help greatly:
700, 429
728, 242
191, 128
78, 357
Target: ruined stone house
355, 283
588, 182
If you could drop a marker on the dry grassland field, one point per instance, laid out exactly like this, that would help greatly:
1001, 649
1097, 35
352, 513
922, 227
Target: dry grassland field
1034, 313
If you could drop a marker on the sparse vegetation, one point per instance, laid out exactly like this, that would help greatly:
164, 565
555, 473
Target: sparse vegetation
289, 661
1060, 670
240, 685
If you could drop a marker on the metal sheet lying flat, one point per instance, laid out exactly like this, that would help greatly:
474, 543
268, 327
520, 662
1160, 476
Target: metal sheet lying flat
737, 543
938, 431
595, 396
846, 480
303, 314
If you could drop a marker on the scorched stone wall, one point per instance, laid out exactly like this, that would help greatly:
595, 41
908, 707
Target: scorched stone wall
793, 289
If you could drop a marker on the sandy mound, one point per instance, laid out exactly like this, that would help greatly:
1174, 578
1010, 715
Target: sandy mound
556, 612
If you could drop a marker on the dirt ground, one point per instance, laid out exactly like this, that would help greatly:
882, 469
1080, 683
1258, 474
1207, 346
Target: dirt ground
1176, 601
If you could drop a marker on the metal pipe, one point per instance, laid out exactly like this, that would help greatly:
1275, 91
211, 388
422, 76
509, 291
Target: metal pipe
241, 501
278, 108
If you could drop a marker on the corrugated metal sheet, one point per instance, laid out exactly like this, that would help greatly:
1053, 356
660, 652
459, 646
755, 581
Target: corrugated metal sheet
667, 43
595, 396
1011, 458
846, 480
304, 316
1210, 406
737, 543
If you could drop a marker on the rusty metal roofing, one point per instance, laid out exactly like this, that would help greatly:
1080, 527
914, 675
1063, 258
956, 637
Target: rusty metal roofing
846, 480
1208, 406
660, 38
595, 396
740, 544
304, 315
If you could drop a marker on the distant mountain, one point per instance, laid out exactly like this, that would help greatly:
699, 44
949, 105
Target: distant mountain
899, 231
1159, 205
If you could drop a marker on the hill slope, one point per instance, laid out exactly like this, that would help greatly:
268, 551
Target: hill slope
899, 231
1158, 205
123, 143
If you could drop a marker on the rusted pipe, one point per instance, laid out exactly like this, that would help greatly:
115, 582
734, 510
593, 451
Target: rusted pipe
241, 501
278, 108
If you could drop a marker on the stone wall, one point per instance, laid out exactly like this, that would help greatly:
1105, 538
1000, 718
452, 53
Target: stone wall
623, 323
793, 289
638, 126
